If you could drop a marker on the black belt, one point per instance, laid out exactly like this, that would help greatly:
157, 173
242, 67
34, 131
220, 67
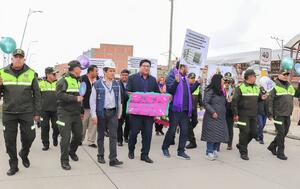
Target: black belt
109, 109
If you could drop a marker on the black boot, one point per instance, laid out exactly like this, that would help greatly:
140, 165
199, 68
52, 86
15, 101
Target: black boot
282, 157
66, 166
191, 145
272, 150
55, 142
74, 157
12, 171
25, 160
45, 147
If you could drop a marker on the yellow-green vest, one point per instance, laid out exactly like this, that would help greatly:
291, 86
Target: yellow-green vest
249, 90
283, 91
73, 85
25, 79
47, 86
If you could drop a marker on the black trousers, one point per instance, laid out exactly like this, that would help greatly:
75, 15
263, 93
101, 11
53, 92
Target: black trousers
69, 125
181, 119
48, 117
10, 130
124, 134
143, 124
192, 124
229, 120
248, 128
158, 127
282, 124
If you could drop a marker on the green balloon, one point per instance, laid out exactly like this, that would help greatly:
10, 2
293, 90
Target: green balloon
287, 63
8, 45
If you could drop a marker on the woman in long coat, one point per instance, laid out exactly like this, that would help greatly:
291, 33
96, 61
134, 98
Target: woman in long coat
214, 128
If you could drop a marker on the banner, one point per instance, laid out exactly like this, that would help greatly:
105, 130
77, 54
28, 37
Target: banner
99, 62
134, 65
265, 58
195, 50
148, 104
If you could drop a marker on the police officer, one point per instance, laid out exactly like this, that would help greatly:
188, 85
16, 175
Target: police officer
21, 105
69, 113
197, 99
244, 106
49, 108
280, 104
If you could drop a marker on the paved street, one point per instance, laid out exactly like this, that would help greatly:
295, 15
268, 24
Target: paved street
229, 171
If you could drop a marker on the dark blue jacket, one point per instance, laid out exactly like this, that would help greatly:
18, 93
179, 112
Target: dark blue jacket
136, 83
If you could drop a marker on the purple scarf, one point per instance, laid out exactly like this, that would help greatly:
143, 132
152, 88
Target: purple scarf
178, 97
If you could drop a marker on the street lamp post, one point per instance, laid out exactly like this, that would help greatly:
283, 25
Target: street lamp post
35, 41
171, 36
28, 15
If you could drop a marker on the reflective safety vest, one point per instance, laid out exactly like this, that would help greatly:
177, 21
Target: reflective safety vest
25, 79
196, 92
280, 91
47, 86
249, 90
73, 85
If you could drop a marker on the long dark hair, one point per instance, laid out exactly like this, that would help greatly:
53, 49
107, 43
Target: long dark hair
215, 84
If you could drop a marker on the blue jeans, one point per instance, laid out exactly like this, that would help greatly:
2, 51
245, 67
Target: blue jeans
212, 146
261, 122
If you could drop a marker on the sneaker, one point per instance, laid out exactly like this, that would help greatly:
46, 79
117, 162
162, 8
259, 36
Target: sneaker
166, 153
183, 156
261, 142
101, 159
210, 157
116, 162
216, 154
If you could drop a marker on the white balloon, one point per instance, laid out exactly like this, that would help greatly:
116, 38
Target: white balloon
266, 83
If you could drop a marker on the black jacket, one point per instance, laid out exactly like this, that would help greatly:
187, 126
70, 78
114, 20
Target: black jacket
124, 99
280, 105
67, 102
137, 84
245, 105
49, 100
86, 97
18, 99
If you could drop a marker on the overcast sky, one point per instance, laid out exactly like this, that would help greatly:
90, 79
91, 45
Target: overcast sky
67, 28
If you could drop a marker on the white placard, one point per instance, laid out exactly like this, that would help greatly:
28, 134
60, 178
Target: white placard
265, 58
134, 65
195, 50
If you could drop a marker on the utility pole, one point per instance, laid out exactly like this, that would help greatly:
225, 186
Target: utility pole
171, 36
280, 44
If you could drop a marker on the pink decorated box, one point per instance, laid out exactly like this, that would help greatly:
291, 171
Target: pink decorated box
148, 104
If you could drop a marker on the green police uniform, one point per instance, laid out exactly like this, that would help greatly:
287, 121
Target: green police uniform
49, 112
69, 111
281, 108
245, 105
21, 102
